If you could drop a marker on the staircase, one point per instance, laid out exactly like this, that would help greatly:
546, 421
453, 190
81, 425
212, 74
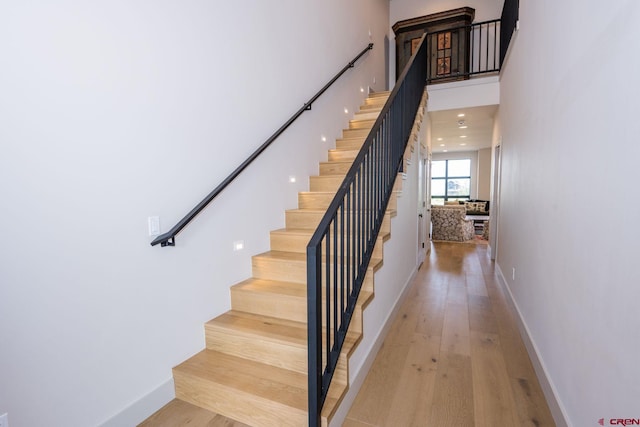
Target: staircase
254, 367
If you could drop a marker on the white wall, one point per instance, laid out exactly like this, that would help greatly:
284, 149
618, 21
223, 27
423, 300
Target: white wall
568, 219
114, 111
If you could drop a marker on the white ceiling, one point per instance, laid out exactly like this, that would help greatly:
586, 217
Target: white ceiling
478, 134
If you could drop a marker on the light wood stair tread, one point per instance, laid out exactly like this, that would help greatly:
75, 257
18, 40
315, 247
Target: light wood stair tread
295, 257
309, 232
266, 327
286, 387
391, 212
277, 287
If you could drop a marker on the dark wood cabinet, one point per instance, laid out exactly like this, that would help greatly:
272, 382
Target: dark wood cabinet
448, 42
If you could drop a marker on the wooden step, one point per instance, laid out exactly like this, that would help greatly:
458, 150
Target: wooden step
251, 392
350, 143
335, 168
355, 133
338, 155
310, 218
368, 108
297, 239
382, 93
376, 100
361, 123
333, 182
288, 266
271, 340
286, 300
321, 200
366, 115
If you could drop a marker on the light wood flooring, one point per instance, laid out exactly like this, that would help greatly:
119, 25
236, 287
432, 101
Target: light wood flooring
453, 357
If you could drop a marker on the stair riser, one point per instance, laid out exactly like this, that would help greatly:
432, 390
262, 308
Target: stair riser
376, 100
281, 355
321, 201
334, 168
282, 270
257, 348
295, 309
355, 133
232, 403
350, 144
333, 182
366, 115
298, 243
282, 306
342, 155
361, 124
310, 220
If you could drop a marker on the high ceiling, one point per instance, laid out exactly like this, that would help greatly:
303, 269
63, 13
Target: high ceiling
448, 133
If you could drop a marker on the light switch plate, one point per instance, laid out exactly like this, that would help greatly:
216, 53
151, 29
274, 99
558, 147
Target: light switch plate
154, 227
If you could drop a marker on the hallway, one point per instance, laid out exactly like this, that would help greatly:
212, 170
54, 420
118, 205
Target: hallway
453, 356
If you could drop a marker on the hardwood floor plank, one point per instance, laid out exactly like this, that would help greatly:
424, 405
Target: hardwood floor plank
492, 397
481, 317
382, 382
408, 407
453, 392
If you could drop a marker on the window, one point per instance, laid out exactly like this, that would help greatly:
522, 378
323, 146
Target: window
450, 180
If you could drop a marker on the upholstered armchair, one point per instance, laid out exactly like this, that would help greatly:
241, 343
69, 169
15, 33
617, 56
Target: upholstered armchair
449, 223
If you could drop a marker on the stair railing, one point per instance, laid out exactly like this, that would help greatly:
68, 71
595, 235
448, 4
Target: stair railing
339, 252
168, 238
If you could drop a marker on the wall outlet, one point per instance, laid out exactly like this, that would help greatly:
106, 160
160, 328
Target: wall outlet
4, 420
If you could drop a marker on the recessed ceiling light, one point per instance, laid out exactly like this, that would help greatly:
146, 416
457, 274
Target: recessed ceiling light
463, 127
464, 143
439, 139
441, 145
445, 151
461, 115
463, 136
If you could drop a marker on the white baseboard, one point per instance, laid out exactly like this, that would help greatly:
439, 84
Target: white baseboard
550, 393
363, 370
144, 407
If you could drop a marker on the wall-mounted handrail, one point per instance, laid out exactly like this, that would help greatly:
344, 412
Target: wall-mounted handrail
168, 238
341, 248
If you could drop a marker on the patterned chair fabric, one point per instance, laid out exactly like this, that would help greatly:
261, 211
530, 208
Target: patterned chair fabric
449, 223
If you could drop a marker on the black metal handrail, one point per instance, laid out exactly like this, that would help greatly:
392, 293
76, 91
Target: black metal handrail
464, 51
339, 252
168, 238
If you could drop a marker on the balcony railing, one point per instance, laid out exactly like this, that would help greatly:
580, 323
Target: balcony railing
460, 52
